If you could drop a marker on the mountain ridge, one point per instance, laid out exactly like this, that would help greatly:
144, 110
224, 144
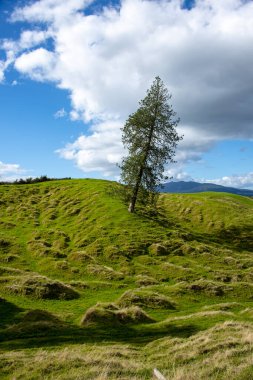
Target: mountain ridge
197, 187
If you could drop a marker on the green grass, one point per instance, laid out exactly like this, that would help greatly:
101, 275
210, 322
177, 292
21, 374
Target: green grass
66, 246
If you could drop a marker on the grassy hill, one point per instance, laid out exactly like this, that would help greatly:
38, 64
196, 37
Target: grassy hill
89, 291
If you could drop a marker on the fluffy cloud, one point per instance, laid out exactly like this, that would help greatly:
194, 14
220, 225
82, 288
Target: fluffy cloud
108, 59
10, 172
28, 39
36, 63
99, 152
241, 181
48, 10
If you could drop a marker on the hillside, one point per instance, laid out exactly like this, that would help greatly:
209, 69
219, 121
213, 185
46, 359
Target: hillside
89, 291
196, 187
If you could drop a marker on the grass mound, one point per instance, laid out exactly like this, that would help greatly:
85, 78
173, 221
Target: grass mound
35, 323
38, 315
142, 280
111, 314
145, 298
208, 287
41, 287
105, 272
158, 249
133, 314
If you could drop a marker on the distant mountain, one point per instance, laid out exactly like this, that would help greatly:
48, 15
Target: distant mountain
196, 187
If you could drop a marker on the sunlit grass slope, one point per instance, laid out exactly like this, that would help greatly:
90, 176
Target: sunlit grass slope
89, 291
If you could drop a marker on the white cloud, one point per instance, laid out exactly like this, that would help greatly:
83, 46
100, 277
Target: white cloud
99, 152
74, 115
2, 68
60, 113
36, 64
31, 38
28, 39
241, 181
47, 10
10, 172
9, 168
177, 173
107, 60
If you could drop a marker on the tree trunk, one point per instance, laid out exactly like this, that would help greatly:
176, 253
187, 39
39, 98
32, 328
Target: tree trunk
135, 192
132, 205
138, 182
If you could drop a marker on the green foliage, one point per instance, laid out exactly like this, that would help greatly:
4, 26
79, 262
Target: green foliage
151, 138
42, 178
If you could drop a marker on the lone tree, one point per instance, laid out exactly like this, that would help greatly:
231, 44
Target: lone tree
151, 138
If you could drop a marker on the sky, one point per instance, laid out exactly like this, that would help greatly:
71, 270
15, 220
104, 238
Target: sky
72, 71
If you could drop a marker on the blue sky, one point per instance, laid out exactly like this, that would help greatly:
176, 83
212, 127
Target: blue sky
71, 72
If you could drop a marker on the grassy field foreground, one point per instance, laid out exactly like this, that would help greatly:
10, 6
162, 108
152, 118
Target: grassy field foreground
89, 291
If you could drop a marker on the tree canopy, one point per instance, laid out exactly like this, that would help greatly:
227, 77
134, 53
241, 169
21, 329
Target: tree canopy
150, 137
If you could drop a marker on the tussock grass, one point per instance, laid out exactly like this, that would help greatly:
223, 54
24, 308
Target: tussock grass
69, 250
142, 280
111, 314
221, 352
224, 351
41, 287
145, 298
105, 272
80, 362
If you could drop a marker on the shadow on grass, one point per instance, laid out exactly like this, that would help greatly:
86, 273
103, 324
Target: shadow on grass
157, 216
66, 334
8, 312
239, 238
234, 236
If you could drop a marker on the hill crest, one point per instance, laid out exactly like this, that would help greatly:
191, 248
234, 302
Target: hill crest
197, 187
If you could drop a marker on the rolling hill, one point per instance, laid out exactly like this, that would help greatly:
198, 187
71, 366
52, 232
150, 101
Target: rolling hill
90, 291
196, 187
